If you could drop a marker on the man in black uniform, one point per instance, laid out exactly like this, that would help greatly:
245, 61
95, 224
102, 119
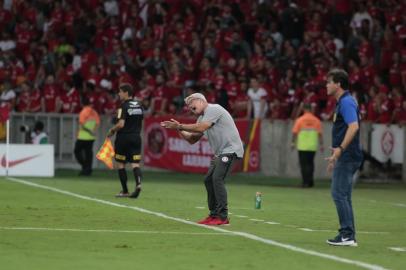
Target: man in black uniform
127, 145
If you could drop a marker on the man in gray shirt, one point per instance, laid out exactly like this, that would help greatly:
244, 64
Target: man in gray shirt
219, 127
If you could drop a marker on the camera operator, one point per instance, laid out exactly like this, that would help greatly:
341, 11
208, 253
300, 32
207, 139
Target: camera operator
37, 135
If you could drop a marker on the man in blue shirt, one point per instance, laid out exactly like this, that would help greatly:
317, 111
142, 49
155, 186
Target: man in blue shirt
346, 154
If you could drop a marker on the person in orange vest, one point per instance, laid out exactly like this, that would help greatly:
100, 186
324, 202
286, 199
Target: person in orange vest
89, 121
307, 136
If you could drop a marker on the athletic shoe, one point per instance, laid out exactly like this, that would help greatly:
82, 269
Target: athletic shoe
206, 220
136, 193
340, 240
122, 194
218, 221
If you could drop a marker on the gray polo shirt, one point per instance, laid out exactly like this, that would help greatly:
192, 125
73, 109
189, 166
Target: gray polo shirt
223, 135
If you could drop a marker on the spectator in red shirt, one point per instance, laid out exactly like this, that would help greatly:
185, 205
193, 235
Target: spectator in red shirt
30, 68
29, 12
355, 75
57, 17
24, 34
218, 78
5, 17
314, 26
29, 99
367, 71
189, 62
110, 108
68, 21
242, 101
205, 72
401, 116
232, 88
397, 100
93, 75
16, 70
69, 99
50, 95
403, 66
159, 100
365, 48
257, 60
100, 97
311, 99
395, 75
176, 79
210, 93
372, 105
242, 67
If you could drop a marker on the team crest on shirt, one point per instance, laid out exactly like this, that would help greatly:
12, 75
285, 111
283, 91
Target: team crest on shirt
134, 103
224, 159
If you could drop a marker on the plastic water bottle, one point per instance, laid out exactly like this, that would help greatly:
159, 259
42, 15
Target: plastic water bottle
258, 200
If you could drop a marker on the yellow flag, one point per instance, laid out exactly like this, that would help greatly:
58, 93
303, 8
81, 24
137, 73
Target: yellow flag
106, 153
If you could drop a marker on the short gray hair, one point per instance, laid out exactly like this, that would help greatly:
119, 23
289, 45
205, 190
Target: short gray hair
193, 97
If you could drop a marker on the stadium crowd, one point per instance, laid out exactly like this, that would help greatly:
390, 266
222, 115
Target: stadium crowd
261, 59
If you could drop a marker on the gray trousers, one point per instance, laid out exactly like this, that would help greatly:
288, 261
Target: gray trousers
215, 184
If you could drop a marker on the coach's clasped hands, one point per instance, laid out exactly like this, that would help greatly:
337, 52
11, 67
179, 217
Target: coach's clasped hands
172, 124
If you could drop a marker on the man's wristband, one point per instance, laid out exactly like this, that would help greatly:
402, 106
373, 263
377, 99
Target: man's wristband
180, 127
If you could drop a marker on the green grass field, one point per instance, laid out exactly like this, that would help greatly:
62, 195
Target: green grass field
69, 222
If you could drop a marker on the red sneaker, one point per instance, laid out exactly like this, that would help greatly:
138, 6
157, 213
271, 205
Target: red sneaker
206, 220
218, 221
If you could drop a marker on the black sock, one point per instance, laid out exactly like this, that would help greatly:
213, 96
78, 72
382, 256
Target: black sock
137, 176
122, 174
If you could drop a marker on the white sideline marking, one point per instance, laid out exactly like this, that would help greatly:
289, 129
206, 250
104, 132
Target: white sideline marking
306, 229
199, 207
254, 219
272, 222
240, 216
391, 203
401, 249
358, 232
242, 234
399, 204
107, 231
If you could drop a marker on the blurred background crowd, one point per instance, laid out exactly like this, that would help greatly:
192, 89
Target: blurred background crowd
259, 59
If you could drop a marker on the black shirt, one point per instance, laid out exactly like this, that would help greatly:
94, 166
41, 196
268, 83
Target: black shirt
131, 111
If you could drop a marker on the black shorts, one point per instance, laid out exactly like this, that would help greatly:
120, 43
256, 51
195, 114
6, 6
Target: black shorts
127, 148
